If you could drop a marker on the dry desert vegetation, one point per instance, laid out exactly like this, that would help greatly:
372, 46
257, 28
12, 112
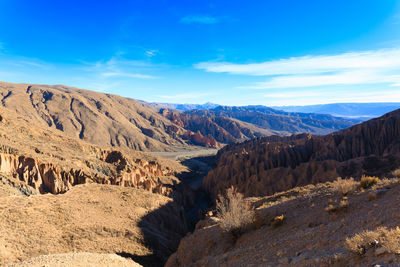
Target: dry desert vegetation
294, 228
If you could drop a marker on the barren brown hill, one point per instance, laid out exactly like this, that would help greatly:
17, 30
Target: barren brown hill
277, 121
226, 125
111, 120
101, 119
317, 222
50, 161
270, 164
90, 218
219, 129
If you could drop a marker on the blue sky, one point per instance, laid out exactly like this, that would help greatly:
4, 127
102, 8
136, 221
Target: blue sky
285, 52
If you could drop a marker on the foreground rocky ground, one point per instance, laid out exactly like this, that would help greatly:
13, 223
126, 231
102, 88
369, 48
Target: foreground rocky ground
318, 220
77, 260
93, 218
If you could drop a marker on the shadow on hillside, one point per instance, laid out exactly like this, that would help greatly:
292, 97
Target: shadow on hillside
146, 260
164, 227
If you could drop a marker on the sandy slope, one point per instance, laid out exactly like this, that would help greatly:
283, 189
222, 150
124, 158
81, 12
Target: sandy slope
310, 236
88, 218
77, 260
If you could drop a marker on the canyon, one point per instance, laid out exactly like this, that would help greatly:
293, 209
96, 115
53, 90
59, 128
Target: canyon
86, 172
267, 165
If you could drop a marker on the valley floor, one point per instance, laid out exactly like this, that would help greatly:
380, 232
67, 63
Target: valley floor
186, 153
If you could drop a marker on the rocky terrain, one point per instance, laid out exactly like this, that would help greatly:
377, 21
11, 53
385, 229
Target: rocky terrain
90, 218
111, 120
61, 194
82, 259
267, 165
53, 162
218, 130
279, 121
311, 234
79, 186
226, 125
101, 119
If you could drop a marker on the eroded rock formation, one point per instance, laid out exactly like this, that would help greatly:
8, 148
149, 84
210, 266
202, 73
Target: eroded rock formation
266, 165
210, 131
47, 177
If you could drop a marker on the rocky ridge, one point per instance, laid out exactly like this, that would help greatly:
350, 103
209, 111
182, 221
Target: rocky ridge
277, 121
214, 131
225, 125
98, 118
267, 165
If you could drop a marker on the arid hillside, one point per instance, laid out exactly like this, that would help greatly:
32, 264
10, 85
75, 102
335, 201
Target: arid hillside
277, 121
315, 225
98, 118
49, 161
267, 165
218, 129
226, 125
111, 120
60, 194
89, 218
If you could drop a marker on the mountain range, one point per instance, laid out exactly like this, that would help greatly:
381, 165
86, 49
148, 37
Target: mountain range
362, 111
358, 111
111, 120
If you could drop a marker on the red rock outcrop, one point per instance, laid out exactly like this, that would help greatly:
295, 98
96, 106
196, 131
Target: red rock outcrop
47, 177
43, 176
210, 131
266, 165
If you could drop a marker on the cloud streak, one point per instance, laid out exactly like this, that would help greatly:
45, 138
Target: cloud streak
128, 75
375, 66
199, 19
117, 67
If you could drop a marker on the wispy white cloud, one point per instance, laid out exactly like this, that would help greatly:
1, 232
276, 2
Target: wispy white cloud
129, 75
200, 19
385, 58
151, 53
23, 62
120, 67
34, 64
375, 66
341, 78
